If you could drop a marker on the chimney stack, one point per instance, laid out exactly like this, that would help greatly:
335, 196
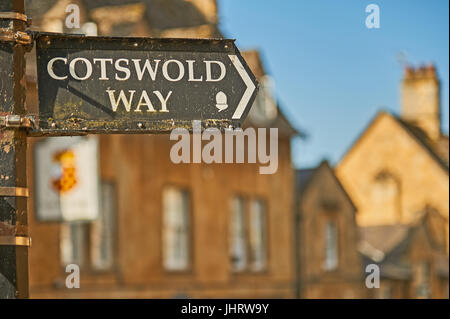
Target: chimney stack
421, 99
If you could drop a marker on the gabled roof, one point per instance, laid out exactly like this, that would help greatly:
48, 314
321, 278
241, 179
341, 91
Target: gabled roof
384, 238
437, 151
303, 178
285, 128
392, 242
254, 61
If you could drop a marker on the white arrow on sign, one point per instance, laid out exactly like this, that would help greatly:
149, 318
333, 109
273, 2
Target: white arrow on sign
248, 92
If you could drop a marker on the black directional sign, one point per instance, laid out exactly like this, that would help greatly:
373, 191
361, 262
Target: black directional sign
138, 85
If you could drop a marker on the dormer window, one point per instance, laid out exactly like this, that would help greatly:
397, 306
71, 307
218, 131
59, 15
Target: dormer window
264, 108
386, 193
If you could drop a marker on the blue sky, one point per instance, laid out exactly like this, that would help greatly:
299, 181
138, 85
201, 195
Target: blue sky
332, 74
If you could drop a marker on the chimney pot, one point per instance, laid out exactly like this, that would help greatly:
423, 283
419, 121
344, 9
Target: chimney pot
409, 72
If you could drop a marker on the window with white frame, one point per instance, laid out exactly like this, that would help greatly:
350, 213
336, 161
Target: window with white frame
257, 235
73, 243
248, 247
91, 243
331, 246
238, 244
102, 230
176, 255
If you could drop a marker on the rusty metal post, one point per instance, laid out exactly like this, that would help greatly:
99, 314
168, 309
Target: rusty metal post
14, 240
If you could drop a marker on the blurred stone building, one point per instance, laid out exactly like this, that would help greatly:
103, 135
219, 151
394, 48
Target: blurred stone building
335, 255
329, 264
397, 175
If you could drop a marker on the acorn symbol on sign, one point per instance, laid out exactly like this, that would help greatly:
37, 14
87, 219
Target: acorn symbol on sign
221, 101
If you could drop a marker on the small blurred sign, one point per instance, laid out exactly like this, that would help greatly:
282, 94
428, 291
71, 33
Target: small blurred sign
67, 179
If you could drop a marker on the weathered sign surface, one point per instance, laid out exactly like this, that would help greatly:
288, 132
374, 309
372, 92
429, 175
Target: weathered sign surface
139, 85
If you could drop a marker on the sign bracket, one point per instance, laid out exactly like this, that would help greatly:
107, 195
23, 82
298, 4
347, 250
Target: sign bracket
17, 121
15, 241
11, 15
19, 37
14, 191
